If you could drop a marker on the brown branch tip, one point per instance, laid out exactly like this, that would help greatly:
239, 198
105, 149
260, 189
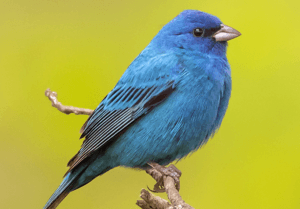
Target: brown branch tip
65, 109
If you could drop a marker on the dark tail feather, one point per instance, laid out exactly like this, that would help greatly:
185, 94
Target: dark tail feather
64, 188
62, 191
53, 203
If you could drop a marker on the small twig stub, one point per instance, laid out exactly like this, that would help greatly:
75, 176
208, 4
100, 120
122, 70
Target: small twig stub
65, 109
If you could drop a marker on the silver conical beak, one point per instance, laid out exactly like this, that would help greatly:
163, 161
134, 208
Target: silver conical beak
226, 33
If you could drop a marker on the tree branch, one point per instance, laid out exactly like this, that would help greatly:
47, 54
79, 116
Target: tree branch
150, 201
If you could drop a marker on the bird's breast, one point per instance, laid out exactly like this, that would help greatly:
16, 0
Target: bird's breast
180, 124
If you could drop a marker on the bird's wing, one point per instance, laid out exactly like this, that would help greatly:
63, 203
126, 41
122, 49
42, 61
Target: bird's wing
120, 108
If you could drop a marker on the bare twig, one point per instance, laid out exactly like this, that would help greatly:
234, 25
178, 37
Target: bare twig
65, 109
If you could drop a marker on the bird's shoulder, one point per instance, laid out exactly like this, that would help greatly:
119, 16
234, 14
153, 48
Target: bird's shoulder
150, 69
144, 85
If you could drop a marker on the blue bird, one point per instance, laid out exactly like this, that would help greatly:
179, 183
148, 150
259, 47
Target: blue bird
169, 102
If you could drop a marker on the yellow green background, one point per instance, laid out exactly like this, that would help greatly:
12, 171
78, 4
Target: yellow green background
81, 48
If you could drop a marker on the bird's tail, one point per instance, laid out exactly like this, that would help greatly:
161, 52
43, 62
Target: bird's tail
64, 189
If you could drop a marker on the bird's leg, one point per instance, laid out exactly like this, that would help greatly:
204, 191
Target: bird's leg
171, 171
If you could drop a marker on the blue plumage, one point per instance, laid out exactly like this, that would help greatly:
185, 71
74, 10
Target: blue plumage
168, 103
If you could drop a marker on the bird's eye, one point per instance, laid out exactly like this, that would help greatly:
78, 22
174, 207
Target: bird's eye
198, 32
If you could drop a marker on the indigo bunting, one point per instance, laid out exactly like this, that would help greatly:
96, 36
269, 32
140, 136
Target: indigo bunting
169, 102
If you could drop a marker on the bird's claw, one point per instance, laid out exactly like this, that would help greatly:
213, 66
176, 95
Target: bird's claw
158, 188
171, 171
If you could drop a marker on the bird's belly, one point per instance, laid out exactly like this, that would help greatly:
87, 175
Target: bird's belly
172, 130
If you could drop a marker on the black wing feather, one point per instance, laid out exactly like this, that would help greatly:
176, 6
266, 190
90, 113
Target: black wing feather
121, 107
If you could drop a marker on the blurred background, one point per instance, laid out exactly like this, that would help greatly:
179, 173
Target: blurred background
81, 48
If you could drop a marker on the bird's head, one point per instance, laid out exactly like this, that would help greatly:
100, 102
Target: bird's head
197, 31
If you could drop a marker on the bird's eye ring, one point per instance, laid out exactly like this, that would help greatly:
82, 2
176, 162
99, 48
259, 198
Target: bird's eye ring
198, 32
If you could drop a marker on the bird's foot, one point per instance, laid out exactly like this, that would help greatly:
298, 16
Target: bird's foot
171, 171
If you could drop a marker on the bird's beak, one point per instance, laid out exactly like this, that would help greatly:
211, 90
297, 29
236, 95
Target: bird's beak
226, 33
